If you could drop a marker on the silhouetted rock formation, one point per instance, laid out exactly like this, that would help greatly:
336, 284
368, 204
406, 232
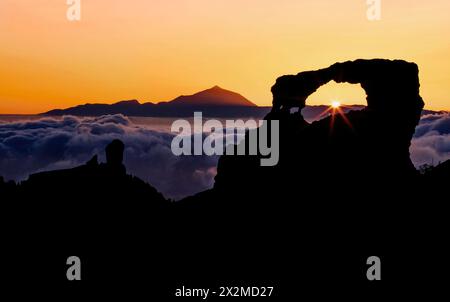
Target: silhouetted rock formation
114, 155
344, 184
358, 148
95, 211
93, 183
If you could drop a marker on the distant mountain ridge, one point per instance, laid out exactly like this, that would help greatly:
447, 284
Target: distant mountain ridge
212, 102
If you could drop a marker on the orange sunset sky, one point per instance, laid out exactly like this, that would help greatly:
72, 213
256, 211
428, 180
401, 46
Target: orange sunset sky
155, 50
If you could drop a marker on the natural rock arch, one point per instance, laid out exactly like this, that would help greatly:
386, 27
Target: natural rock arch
392, 90
390, 86
378, 139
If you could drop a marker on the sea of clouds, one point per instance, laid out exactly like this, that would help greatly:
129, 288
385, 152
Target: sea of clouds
31, 146
431, 142
55, 143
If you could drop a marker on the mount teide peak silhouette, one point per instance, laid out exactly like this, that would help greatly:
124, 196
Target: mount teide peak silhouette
214, 96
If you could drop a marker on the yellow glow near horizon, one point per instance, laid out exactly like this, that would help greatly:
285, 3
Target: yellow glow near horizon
156, 50
335, 104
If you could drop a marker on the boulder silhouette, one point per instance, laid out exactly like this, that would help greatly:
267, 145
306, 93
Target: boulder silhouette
114, 153
114, 156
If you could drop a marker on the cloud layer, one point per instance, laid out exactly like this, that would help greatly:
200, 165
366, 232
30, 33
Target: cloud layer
49, 143
55, 143
431, 142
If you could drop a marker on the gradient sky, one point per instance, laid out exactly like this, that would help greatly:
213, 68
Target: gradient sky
155, 50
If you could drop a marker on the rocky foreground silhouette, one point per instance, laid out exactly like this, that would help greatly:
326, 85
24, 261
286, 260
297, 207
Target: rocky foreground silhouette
344, 189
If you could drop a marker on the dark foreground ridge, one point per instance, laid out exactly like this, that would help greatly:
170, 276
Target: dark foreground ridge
102, 181
344, 189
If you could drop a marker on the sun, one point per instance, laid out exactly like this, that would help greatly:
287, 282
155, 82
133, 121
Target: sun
335, 104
